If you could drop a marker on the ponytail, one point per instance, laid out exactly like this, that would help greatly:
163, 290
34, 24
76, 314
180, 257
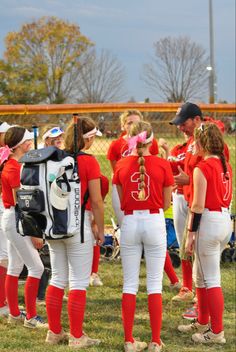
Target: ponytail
142, 170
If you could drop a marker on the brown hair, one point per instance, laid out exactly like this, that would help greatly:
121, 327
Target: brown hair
211, 139
127, 113
135, 129
84, 125
13, 136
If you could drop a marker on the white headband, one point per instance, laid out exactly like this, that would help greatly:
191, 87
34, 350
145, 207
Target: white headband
149, 139
26, 137
94, 132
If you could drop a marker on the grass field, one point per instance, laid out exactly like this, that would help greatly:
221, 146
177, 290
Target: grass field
103, 318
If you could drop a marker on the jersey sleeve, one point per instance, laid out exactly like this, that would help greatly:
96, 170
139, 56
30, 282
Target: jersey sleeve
14, 176
169, 179
116, 179
112, 153
205, 169
93, 169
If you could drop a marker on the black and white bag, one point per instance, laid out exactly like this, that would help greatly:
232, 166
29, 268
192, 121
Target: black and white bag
49, 200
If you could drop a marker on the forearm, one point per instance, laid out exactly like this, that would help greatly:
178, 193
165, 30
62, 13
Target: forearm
98, 213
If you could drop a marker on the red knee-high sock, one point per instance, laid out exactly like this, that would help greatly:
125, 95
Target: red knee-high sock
169, 270
54, 297
76, 309
155, 313
31, 291
11, 287
203, 310
96, 257
187, 274
128, 311
3, 273
216, 308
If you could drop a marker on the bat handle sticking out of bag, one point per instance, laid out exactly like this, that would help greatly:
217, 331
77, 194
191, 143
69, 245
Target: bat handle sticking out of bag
35, 130
75, 171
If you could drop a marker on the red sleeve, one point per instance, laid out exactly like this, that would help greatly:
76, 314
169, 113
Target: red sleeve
205, 169
169, 179
154, 147
13, 175
112, 151
115, 179
104, 186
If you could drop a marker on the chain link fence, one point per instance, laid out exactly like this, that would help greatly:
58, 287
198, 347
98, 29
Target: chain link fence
109, 125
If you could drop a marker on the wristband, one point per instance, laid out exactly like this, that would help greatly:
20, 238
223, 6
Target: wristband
194, 221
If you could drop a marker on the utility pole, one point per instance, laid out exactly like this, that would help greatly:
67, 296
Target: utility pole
211, 68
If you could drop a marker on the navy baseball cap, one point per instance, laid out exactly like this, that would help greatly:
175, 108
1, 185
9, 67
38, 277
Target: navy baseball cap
185, 112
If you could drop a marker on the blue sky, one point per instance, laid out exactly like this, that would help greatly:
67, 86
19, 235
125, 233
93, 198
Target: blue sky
128, 28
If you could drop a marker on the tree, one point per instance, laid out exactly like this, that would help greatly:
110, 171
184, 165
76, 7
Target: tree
101, 78
177, 72
42, 62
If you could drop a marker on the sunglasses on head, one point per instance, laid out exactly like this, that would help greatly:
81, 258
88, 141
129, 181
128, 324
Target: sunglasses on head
55, 130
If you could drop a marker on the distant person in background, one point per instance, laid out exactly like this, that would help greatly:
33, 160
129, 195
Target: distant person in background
3, 240
54, 137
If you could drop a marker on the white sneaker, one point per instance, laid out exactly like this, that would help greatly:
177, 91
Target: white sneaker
135, 346
55, 339
82, 342
95, 280
209, 337
35, 322
4, 311
154, 347
19, 319
193, 326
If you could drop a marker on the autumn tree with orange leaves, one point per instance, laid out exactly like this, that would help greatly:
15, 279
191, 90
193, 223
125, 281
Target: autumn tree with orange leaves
42, 62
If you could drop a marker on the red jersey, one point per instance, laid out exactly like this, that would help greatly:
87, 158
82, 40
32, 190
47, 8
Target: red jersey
119, 149
158, 175
10, 179
176, 158
191, 161
219, 188
89, 169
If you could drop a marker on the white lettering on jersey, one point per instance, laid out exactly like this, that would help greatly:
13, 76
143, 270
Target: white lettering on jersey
135, 178
227, 185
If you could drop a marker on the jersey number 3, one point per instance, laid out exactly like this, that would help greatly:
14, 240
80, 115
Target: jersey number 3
135, 179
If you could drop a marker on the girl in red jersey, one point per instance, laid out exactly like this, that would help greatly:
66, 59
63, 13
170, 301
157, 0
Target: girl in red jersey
21, 250
144, 184
71, 258
209, 230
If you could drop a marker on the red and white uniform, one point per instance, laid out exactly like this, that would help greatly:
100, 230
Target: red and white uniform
213, 234
20, 249
180, 206
69, 257
119, 149
144, 222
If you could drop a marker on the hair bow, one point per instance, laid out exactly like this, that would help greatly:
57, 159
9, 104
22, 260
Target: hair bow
132, 141
4, 153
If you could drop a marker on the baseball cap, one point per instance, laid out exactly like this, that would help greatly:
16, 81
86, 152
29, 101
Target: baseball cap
186, 111
53, 133
59, 193
4, 127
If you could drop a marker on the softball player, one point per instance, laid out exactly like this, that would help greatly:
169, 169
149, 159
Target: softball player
144, 184
21, 250
69, 257
119, 149
3, 240
53, 137
188, 117
209, 230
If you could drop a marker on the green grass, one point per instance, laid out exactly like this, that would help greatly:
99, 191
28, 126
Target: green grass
103, 318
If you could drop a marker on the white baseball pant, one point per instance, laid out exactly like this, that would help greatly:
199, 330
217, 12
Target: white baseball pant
3, 241
142, 229
71, 260
214, 233
116, 205
20, 249
180, 212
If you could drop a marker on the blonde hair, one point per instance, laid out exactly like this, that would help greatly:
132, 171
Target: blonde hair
84, 125
127, 113
135, 129
211, 140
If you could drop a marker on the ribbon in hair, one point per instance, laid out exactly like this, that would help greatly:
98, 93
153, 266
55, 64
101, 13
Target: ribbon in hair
132, 141
4, 153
